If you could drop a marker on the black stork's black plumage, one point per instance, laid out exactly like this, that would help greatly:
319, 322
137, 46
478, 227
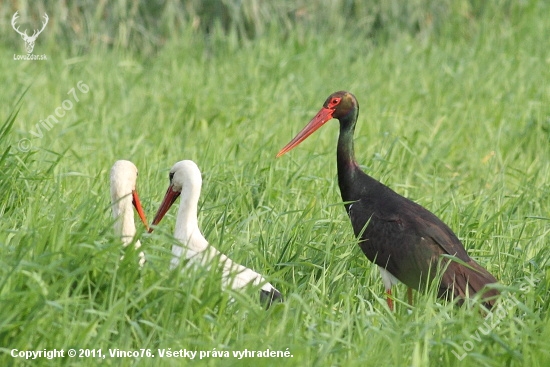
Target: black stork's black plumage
403, 238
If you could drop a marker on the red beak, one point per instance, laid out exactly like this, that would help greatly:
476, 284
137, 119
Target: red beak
137, 205
169, 199
319, 120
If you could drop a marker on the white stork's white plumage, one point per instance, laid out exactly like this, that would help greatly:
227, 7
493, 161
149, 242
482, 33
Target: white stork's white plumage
186, 181
123, 198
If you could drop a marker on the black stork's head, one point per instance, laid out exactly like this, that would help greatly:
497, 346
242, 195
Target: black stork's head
340, 105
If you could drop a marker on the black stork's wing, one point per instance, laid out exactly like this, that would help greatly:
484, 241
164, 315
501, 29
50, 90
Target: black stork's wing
408, 241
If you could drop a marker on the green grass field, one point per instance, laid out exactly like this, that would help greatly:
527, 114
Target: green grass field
457, 120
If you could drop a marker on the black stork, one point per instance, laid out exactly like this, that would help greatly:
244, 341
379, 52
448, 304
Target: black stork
405, 240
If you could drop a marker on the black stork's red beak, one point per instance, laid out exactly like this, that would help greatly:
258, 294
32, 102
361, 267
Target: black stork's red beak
139, 209
169, 199
319, 120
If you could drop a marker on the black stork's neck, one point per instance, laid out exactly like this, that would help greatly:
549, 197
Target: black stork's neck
354, 183
345, 155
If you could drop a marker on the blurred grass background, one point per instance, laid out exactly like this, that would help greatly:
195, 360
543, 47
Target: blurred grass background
145, 26
455, 114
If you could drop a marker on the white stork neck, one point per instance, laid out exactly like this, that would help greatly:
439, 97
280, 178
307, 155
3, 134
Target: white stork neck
123, 212
187, 224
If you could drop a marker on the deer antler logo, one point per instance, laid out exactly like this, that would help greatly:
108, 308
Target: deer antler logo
29, 41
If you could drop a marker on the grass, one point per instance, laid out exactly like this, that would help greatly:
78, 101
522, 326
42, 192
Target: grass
458, 121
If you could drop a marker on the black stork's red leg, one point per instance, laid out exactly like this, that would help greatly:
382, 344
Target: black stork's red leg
410, 295
404, 239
